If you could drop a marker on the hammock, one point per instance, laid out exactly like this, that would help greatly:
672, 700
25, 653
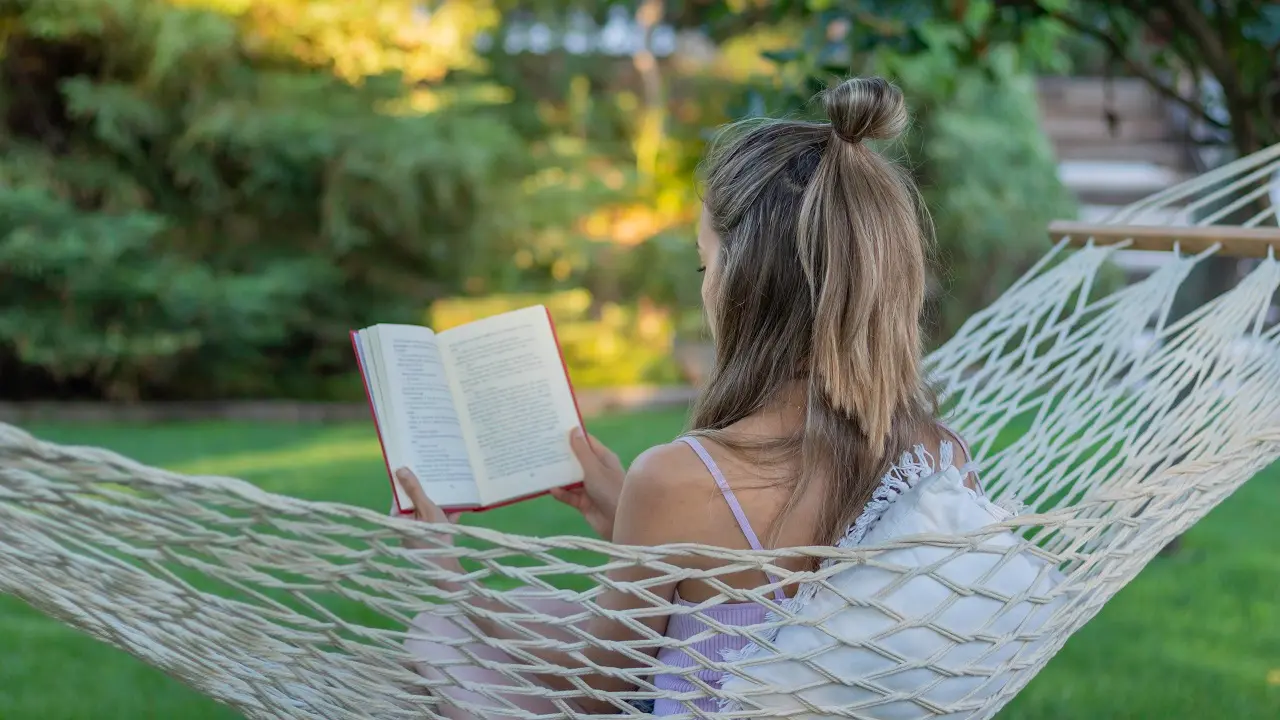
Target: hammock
1118, 428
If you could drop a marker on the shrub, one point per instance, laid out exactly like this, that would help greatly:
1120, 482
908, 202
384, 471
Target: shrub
200, 203
611, 345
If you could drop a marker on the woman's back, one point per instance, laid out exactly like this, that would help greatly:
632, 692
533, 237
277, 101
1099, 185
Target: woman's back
742, 501
690, 671
760, 487
760, 490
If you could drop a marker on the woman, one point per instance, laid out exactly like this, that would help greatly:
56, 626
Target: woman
813, 249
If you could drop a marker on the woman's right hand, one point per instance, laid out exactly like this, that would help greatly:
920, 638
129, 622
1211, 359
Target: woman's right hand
597, 497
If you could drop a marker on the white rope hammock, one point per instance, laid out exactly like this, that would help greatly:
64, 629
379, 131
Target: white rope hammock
286, 608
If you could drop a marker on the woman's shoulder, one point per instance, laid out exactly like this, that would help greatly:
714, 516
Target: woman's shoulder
666, 470
666, 496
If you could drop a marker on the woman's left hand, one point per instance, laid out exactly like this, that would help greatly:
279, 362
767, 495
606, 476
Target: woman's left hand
424, 510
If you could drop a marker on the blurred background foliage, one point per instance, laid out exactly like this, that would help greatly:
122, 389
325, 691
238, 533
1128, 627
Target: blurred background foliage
198, 198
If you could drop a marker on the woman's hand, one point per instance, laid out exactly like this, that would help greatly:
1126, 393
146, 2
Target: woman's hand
424, 510
597, 497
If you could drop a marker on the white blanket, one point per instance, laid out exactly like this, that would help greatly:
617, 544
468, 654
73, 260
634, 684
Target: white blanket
913, 646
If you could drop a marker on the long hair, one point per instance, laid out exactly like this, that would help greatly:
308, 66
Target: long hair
820, 282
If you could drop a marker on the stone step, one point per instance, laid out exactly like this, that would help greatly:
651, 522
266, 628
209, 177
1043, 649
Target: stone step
1102, 214
1165, 153
1083, 95
1095, 129
1101, 182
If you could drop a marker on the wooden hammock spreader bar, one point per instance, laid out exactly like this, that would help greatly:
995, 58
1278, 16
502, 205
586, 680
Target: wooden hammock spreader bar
1244, 242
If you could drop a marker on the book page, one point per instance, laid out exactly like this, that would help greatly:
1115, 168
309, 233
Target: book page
514, 402
426, 433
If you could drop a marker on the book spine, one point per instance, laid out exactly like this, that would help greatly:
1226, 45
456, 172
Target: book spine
368, 394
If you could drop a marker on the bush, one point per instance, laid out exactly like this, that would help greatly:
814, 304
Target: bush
200, 204
988, 175
607, 346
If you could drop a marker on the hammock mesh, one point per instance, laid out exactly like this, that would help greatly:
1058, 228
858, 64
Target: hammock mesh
1118, 427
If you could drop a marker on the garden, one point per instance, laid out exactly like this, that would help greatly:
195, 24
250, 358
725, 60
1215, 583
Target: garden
200, 198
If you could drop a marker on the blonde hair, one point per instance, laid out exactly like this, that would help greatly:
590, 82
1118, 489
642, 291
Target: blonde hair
821, 280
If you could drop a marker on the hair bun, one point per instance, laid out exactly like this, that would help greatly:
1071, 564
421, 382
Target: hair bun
861, 108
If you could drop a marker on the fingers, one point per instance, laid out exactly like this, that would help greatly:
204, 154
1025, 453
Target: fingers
588, 448
411, 487
423, 508
582, 448
574, 498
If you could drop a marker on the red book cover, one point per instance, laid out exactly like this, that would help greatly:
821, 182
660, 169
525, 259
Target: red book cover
364, 378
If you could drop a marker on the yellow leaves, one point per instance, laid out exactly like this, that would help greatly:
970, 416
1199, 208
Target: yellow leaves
741, 57
358, 39
627, 101
653, 324
226, 7
561, 269
613, 178
418, 101
634, 223
421, 100
1273, 677
451, 312
605, 344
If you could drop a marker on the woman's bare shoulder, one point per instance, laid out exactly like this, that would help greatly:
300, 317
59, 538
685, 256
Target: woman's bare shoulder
666, 472
665, 498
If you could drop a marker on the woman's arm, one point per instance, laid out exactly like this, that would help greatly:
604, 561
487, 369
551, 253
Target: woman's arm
653, 509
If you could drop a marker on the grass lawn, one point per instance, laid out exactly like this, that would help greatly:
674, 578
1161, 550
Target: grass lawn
1196, 635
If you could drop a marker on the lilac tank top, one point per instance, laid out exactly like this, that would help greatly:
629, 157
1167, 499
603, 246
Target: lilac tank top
684, 627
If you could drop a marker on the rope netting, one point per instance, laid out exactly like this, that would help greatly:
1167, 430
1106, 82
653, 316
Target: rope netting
1116, 426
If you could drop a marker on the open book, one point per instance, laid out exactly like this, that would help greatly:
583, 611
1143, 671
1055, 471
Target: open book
480, 413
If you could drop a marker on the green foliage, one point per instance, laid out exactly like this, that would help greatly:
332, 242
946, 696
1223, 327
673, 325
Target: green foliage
1217, 60
604, 345
988, 175
619, 149
188, 209
199, 198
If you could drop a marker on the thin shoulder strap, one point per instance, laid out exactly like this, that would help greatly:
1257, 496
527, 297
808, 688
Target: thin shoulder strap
732, 500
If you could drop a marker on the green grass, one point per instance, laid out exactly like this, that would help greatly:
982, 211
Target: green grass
1196, 635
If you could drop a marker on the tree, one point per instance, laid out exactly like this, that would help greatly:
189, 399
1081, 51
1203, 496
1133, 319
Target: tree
1220, 61
199, 199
